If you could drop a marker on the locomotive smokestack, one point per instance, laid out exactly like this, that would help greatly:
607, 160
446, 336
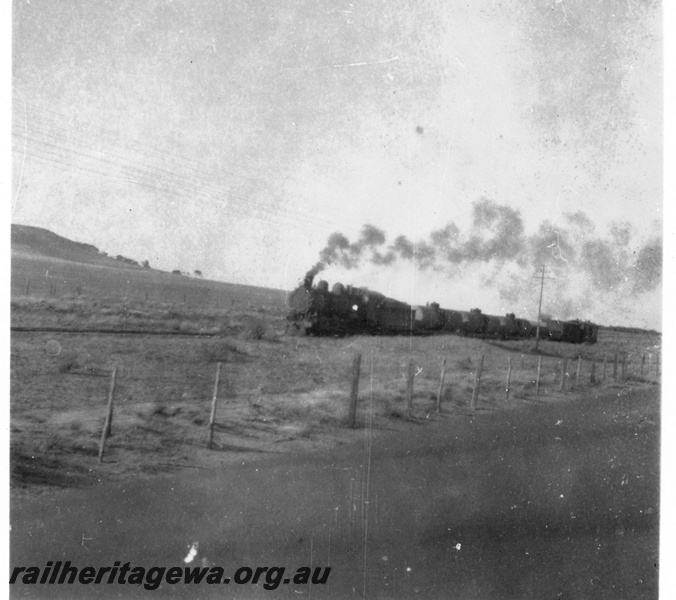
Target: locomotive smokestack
311, 274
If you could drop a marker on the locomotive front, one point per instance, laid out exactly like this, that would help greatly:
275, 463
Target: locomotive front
315, 310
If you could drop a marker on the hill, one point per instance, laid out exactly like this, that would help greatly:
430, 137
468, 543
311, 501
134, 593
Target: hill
59, 282
42, 242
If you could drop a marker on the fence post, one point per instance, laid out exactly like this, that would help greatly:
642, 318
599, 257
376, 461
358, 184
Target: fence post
477, 383
354, 393
537, 380
650, 364
441, 384
615, 368
604, 367
624, 367
214, 400
563, 373
577, 374
509, 376
409, 386
592, 377
642, 364
107, 425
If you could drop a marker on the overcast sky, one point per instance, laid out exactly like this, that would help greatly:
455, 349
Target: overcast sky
236, 137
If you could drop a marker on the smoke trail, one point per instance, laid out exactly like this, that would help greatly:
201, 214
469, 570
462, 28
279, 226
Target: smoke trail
588, 271
339, 250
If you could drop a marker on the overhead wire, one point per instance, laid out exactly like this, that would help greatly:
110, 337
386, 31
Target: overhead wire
180, 172
66, 166
148, 176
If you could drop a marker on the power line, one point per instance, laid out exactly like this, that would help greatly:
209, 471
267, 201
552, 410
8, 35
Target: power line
66, 166
542, 287
180, 170
155, 178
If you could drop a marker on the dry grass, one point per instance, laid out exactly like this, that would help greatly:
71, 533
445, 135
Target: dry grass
254, 328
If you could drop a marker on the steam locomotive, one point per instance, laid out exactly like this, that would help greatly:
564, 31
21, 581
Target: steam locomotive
348, 310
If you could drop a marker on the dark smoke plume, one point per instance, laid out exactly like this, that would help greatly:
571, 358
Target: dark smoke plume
311, 274
583, 264
339, 250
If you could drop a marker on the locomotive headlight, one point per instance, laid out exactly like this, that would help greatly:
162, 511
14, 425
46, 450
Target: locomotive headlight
355, 307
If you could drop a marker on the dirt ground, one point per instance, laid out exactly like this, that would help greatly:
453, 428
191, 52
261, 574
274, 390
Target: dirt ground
559, 501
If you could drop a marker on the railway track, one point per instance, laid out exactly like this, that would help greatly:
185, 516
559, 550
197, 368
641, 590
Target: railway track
103, 331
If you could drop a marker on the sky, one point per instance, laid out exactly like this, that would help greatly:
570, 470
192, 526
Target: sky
433, 150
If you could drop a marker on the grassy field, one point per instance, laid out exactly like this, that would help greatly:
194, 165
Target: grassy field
278, 393
36, 277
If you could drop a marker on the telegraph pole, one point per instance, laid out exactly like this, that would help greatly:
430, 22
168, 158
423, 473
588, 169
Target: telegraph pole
542, 287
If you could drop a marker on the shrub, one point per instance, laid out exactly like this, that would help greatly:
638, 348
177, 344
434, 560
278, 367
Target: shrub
254, 329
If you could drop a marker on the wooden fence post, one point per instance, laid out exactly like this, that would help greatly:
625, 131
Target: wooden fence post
577, 373
615, 368
509, 376
650, 364
592, 377
107, 425
214, 400
604, 367
441, 384
354, 392
642, 364
409, 386
624, 367
477, 383
563, 373
537, 380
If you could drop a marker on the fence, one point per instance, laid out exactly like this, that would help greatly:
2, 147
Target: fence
549, 375
310, 382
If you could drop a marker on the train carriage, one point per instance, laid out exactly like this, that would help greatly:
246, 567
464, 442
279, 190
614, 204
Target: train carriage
452, 320
351, 310
427, 319
386, 315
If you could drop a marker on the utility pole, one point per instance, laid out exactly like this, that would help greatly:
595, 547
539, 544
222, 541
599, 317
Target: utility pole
542, 287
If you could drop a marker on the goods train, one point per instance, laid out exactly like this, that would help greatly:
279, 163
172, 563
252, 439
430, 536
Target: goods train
345, 310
